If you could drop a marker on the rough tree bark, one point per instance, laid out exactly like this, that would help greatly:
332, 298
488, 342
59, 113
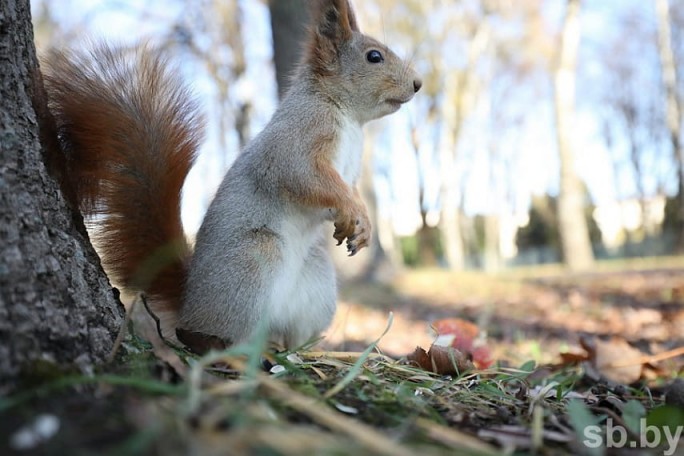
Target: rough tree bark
576, 246
56, 304
673, 108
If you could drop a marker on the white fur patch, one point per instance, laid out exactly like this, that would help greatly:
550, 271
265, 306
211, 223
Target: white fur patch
299, 230
348, 158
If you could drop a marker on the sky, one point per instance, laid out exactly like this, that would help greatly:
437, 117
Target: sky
530, 149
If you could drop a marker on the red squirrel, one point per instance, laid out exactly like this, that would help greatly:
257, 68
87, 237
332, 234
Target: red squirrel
129, 129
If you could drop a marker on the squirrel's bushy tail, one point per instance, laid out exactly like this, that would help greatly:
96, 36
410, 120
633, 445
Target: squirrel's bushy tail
129, 130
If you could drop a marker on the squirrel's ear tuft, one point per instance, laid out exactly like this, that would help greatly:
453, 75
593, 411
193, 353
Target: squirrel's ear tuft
351, 17
335, 20
333, 23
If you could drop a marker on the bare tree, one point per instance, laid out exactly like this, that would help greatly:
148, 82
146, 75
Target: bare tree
449, 94
461, 93
673, 105
56, 304
213, 33
381, 263
631, 114
576, 246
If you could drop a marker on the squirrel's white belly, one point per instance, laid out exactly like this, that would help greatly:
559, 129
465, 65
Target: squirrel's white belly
348, 159
299, 230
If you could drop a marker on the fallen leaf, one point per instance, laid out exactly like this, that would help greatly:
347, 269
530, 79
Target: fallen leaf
461, 335
572, 359
441, 360
612, 352
464, 332
420, 358
200, 343
482, 357
608, 359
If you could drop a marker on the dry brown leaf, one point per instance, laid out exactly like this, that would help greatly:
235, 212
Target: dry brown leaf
420, 358
441, 360
609, 354
461, 335
571, 359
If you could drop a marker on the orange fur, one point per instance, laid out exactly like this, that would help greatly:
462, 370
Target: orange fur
324, 187
129, 134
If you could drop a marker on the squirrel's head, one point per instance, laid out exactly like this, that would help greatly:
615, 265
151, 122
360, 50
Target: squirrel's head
361, 74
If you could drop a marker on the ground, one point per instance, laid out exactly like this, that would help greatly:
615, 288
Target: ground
527, 313
574, 355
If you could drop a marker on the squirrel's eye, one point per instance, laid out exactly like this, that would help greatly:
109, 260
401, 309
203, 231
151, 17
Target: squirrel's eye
374, 56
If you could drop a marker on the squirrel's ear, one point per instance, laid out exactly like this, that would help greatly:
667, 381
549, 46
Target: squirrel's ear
333, 23
335, 20
348, 15
351, 18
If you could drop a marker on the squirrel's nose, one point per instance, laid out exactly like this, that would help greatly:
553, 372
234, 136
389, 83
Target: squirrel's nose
417, 84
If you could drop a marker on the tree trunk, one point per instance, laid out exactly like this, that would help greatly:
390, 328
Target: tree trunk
288, 25
461, 95
673, 110
426, 236
492, 244
449, 223
576, 246
56, 304
379, 266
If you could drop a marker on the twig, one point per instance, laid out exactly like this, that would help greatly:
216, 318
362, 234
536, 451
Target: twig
454, 438
617, 419
154, 316
157, 322
344, 356
122, 331
648, 359
315, 409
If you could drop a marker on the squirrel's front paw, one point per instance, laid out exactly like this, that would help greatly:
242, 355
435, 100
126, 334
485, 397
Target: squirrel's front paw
355, 227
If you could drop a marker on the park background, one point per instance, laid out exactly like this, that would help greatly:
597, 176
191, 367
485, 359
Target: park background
527, 206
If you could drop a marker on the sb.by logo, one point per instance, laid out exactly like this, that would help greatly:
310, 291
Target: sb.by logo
616, 436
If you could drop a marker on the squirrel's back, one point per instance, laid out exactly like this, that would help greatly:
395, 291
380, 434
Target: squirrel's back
129, 130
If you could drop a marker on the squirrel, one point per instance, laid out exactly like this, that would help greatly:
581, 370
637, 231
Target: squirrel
129, 128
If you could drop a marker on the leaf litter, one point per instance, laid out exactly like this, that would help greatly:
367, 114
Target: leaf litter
452, 400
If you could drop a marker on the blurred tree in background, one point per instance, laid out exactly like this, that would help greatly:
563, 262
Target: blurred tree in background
573, 231
289, 19
542, 228
673, 107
